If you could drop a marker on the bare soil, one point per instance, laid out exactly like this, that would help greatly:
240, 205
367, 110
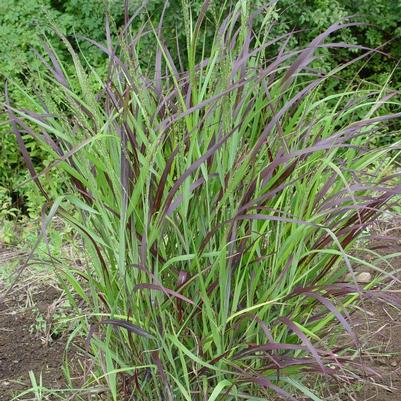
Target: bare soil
381, 340
21, 348
378, 328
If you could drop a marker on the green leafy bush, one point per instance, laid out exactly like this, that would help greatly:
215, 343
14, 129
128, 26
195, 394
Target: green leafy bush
24, 25
218, 203
21, 23
382, 28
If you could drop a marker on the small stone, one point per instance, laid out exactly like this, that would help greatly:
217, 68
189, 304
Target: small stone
364, 277
5, 383
393, 364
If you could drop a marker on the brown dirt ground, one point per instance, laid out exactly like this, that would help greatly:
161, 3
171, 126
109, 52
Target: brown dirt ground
379, 331
22, 350
381, 338
378, 328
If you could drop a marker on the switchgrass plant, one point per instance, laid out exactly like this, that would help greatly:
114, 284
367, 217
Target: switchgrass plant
218, 201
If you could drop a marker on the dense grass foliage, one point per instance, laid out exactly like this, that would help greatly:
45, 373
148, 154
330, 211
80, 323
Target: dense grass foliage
218, 201
25, 24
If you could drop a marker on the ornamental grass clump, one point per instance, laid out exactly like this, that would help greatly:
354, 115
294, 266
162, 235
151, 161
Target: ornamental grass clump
218, 197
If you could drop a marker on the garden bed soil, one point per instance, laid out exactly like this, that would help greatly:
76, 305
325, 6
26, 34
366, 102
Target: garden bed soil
378, 328
381, 338
21, 348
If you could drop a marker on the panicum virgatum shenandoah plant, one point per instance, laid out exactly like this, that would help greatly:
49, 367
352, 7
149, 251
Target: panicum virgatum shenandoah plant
217, 199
